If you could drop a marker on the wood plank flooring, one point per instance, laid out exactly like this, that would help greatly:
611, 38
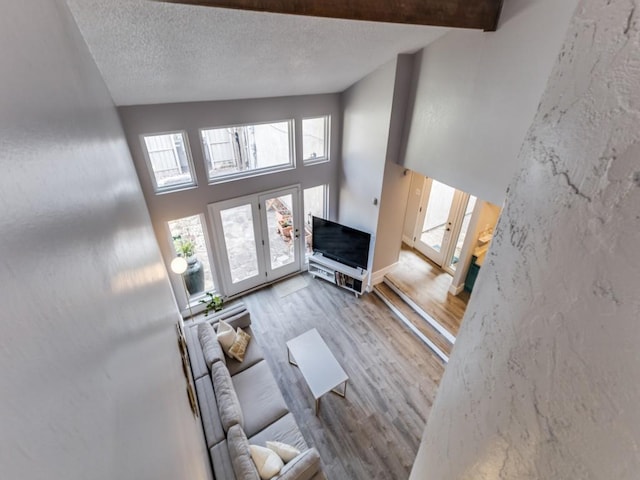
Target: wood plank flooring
428, 286
375, 432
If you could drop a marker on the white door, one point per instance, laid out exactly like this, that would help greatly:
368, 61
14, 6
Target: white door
439, 222
257, 240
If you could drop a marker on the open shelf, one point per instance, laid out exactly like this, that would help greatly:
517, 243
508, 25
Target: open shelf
352, 279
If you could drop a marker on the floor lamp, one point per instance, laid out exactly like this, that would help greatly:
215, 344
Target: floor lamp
179, 266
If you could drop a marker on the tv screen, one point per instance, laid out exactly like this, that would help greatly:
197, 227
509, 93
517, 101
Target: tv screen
343, 244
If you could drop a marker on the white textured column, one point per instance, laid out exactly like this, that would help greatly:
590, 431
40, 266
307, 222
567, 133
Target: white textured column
544, 380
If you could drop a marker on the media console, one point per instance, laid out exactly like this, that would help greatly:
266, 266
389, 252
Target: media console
353, 279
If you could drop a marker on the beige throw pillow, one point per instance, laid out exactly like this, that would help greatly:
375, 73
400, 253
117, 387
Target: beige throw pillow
268, 463
284, 451
239, 347
226, 336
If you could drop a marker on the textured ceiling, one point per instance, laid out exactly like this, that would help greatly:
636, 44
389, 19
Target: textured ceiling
152, 52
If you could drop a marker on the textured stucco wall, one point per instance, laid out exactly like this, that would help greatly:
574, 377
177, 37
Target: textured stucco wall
91, 383
544, 380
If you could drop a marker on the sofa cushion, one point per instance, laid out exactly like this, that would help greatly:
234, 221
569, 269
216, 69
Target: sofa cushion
303, 467
213, 430
210, 345
196, 357
240, 454
284, 430
226, 336
252, 356
226, 397
259, 396
285, 451
267, 462
221, 460
240, 345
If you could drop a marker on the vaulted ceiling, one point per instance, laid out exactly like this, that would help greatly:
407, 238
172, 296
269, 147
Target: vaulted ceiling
157, 52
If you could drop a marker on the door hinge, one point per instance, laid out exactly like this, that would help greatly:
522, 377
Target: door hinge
414, 239
262, 242
259, 206
266, 274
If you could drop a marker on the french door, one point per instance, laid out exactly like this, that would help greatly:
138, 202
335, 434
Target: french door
257, 238
440, 227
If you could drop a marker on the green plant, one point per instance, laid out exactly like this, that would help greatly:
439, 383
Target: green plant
186, 248
212, 302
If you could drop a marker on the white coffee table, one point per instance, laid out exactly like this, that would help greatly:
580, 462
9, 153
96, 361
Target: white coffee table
319, 367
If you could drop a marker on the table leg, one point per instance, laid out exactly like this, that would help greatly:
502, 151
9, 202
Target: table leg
289, 357
317, 406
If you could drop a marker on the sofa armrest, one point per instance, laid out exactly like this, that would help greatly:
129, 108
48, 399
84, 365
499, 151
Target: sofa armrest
303, 467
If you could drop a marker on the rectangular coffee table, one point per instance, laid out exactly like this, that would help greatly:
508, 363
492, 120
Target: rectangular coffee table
319, 367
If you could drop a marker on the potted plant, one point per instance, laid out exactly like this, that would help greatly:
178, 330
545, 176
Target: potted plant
194, 276
212, 302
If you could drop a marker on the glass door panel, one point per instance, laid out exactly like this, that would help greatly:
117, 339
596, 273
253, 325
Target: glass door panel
239, 239
436, 226
463, 233
280, 220
238, 234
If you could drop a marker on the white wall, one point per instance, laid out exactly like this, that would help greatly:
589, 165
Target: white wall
477, 93
367, 109
90, 374
544, 380
191, 117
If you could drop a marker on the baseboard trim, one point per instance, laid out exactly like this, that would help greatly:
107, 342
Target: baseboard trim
407, 240
443, 356
378, 277
456, 289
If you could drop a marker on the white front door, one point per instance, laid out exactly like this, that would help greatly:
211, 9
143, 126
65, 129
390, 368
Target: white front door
439, 221
257, 238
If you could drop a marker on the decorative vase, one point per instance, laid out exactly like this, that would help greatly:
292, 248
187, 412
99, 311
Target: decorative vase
194, 276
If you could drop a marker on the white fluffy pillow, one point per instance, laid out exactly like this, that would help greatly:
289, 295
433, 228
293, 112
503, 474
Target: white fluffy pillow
226, 335
284, 451
268, 463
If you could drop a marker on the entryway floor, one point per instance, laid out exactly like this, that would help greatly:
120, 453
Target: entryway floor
428, 286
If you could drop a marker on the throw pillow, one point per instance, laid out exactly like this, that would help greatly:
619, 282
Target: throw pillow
284, 451
240, 344
267, 462
226, 336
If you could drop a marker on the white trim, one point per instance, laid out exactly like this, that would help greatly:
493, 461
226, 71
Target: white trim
412, 327
407, 240
378, 276
456, 289
432, 321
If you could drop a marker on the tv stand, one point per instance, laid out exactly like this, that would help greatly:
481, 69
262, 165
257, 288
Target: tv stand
353, 279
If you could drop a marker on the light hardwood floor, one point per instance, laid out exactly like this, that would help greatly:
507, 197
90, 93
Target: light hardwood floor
375, 432
428, 286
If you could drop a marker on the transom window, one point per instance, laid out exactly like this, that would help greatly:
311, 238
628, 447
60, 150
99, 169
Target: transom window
169, 161
245, 150
315, 140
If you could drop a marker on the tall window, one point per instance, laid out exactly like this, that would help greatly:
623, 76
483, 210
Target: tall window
245, 150
315, 140
189, 242
315, 205
169, 161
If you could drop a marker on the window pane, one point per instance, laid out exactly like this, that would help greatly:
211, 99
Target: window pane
188, 242
314, 139
435, 220
246, 148
314, 206
169, 161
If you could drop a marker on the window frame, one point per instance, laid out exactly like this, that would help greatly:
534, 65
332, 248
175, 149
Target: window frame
291, 165
147, 157
327, 140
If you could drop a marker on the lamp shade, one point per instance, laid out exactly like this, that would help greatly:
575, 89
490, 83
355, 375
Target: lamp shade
179, 265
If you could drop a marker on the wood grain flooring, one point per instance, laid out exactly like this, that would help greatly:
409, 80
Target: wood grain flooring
375, 432
428, 286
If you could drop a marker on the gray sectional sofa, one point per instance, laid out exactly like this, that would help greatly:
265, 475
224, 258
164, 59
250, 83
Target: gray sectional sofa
241, 404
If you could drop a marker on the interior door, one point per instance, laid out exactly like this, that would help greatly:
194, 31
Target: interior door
257, 238
442, 207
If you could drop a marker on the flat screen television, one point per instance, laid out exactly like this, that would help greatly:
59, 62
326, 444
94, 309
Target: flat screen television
341, 243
